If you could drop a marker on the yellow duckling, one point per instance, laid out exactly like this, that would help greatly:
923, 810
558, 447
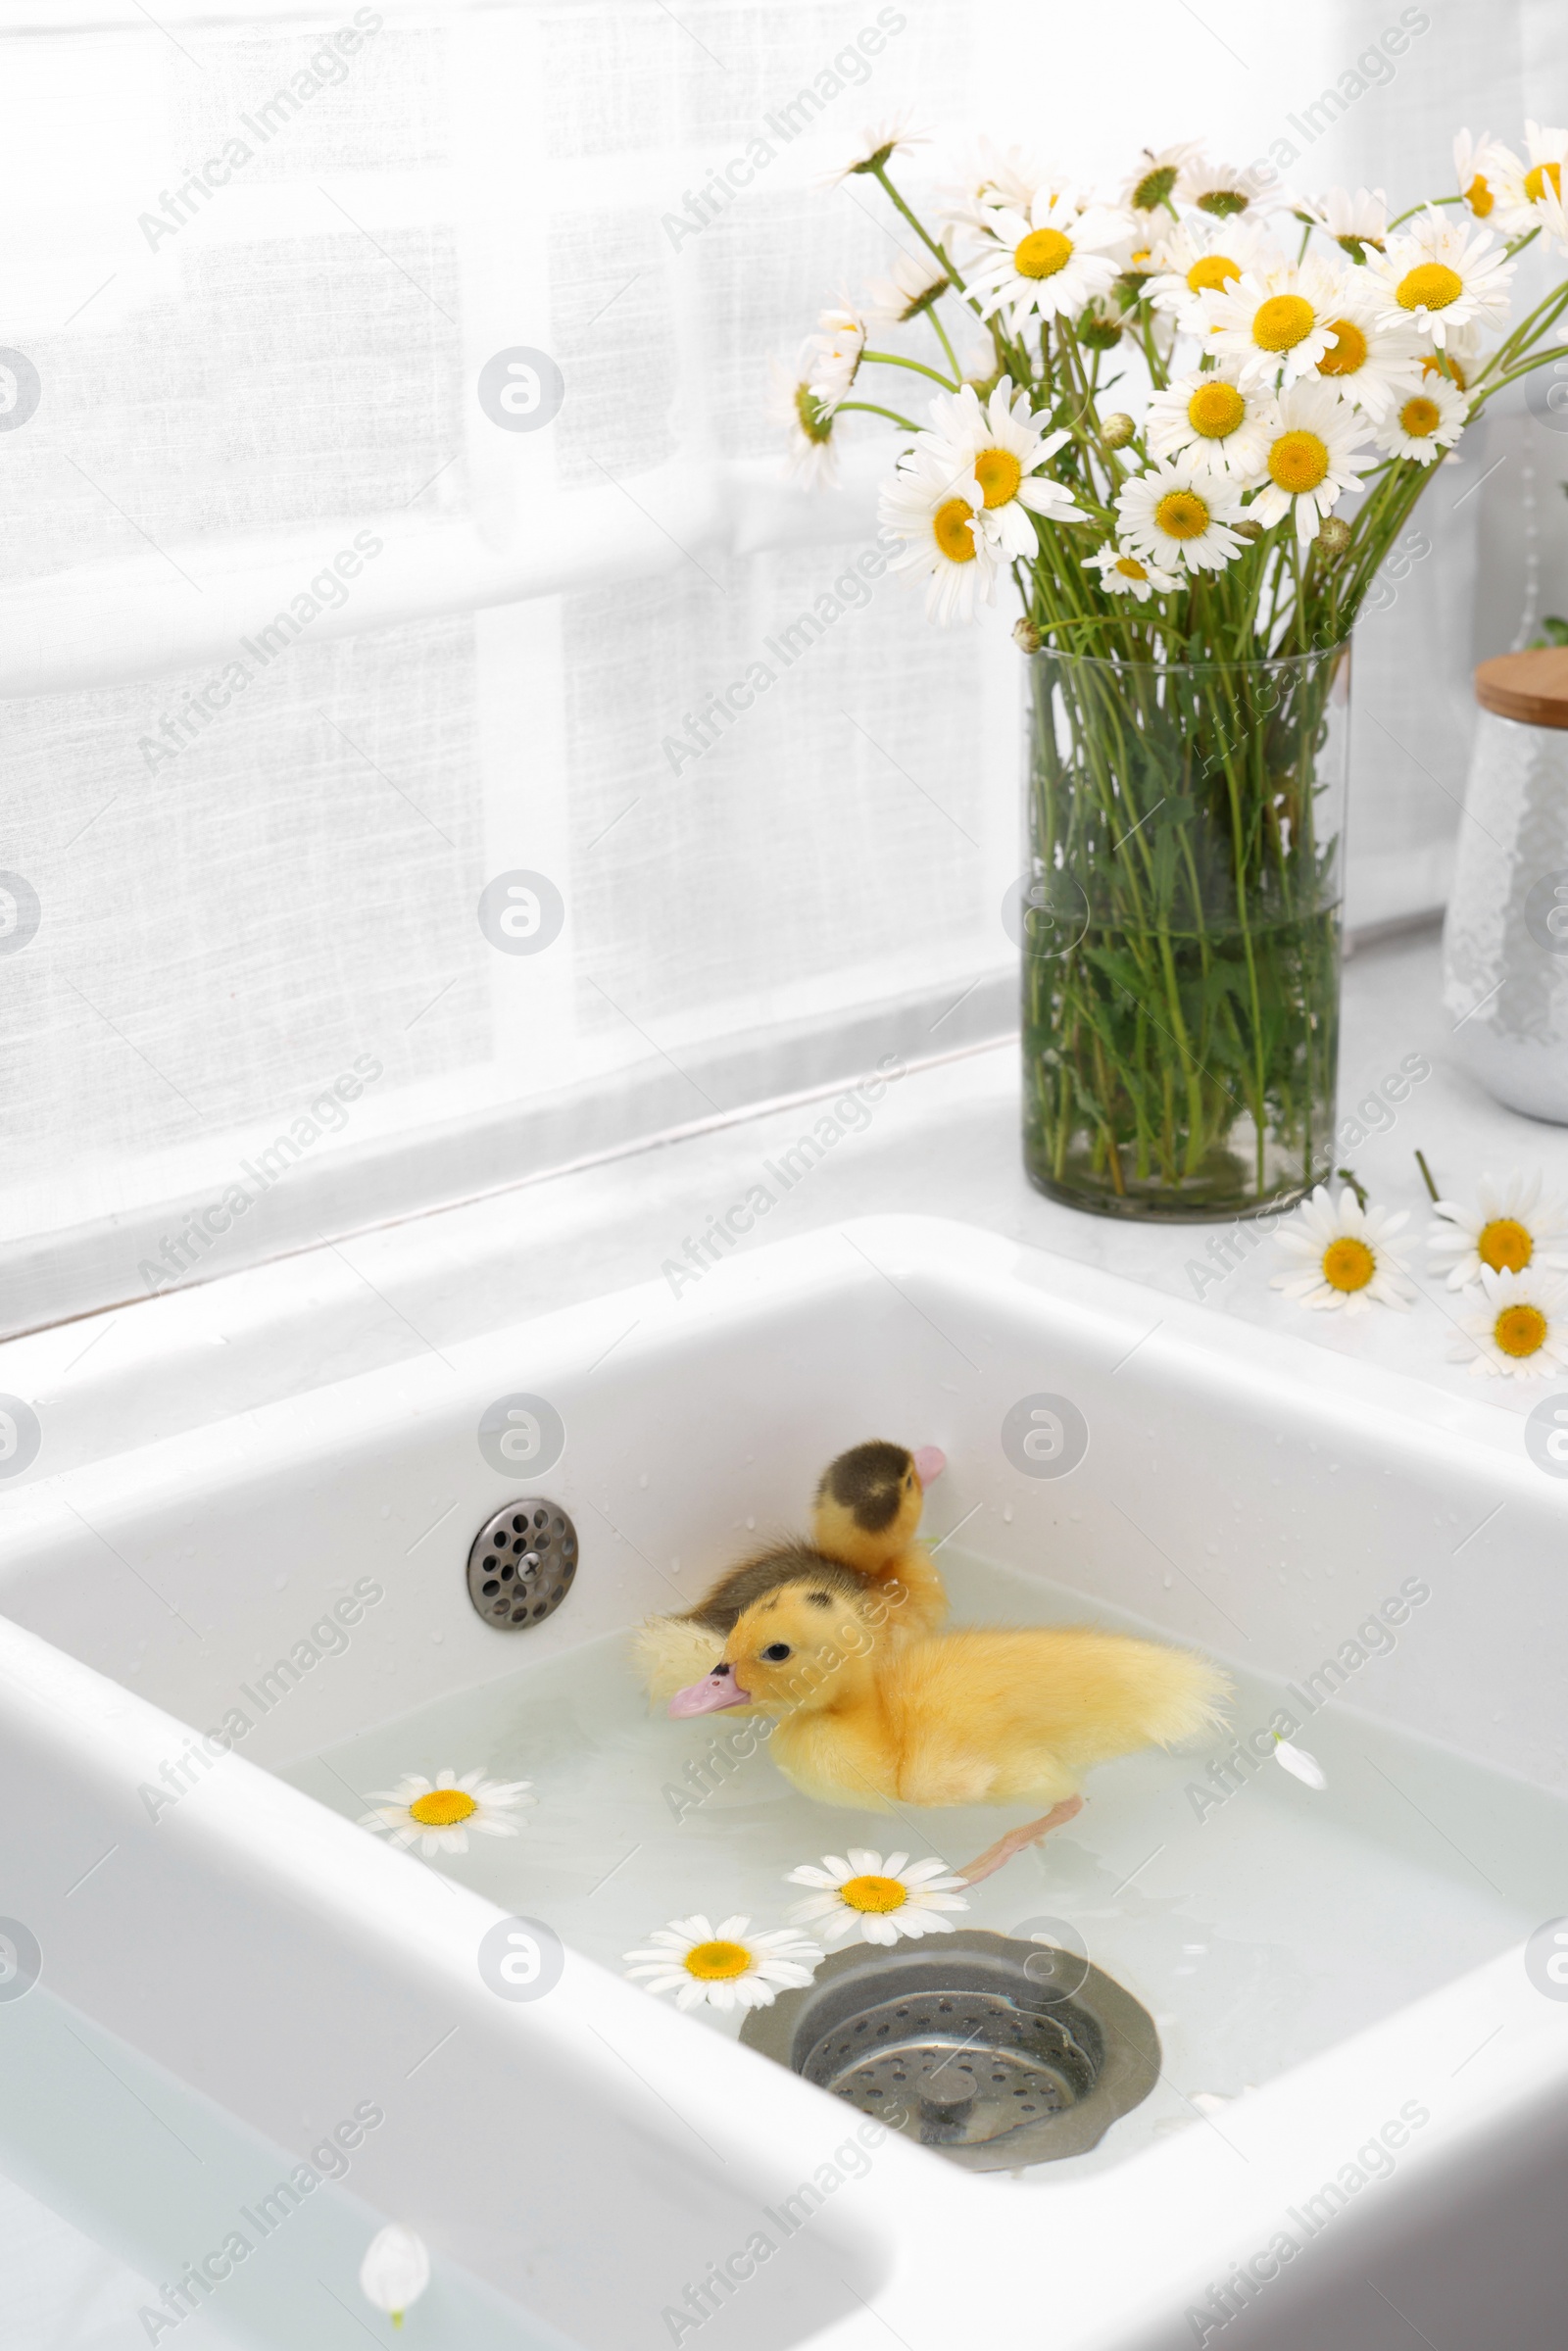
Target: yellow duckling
867, 1507
978, 1717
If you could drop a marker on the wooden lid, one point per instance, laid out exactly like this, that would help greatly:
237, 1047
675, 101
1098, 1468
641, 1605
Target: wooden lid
1532, 687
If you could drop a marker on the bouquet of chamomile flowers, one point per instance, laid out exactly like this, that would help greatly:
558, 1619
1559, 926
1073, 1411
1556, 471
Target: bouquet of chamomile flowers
1187, 418
1292, 355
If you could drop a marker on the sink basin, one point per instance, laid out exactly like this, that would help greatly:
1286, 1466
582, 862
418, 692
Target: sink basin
217, 1649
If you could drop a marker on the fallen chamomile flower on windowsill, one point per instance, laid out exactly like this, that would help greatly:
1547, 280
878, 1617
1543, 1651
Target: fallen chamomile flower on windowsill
1299, 1764
725, 1966
395, 2271
1344, 1255
1510, 1227
437, 1815
1522, 1329
876, 1901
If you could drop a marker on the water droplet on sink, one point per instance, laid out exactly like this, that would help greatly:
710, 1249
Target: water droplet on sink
1007, 1515
751, 1526
280, 1582
643, 1480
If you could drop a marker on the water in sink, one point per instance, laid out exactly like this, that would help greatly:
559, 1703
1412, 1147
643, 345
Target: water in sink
1269, 1927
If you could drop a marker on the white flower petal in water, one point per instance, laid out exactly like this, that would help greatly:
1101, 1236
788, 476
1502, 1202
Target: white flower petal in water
395, 2271
1299, 1764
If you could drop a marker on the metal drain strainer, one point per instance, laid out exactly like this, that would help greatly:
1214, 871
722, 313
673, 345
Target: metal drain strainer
957, 2046
522, 1564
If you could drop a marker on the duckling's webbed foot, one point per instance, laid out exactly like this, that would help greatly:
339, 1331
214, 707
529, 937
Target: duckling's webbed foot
1016, 1840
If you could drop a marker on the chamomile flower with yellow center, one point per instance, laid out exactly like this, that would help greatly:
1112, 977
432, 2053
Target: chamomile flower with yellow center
727, 1966
1481, 169
1520, 1329
1510, 1227
1437, 276
1002, 447
936, 508
1274, 322
1222, 191
1343, 1255
1369, 362
1152, 183
1124, 574
915, 284
870, 1900
1526, 187
1424, 422
1179, 516
1199, 256
1355, 223
810, 424
830, 359
437, 1814
1055, 257
1211, 420
1314, 450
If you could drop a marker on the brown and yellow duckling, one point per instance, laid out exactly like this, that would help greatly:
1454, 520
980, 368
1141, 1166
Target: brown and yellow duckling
863, 1521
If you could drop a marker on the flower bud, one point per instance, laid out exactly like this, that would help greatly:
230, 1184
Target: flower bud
1333, 535
1026, 635
1247, 529
1117, 430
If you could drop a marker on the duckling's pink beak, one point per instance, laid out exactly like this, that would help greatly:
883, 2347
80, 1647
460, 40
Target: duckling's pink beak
929, 1462
711, 1696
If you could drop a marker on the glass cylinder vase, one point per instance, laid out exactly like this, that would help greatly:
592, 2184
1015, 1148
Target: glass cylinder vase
1180, 928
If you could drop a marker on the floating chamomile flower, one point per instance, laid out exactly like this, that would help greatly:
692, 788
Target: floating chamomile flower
437, 1814
1355, 223
726, 1966
1344, 1255
1124, 574
1522, 1329
936, 512
1275, 321
1197, 258
1181, 515
1220, 190
1001, 445
1509, 1228
395, 2271
1314, 449
1212, 422
915, 284
1299, 1764
1425, 423
1440, 276
876, 1901
831, 357
1055, 257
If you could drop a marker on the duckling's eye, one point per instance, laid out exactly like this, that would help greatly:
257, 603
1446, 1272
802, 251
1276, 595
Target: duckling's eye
776, 1651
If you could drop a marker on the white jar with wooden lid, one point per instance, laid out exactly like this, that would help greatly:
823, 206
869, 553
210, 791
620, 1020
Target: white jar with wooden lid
1505, 941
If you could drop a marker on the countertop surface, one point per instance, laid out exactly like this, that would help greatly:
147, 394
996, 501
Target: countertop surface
942, 1140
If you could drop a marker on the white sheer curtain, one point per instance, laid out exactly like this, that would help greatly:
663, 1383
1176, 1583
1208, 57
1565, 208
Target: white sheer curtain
303, 648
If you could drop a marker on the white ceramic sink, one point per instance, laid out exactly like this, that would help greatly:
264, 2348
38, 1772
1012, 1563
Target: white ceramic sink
1342, 1981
